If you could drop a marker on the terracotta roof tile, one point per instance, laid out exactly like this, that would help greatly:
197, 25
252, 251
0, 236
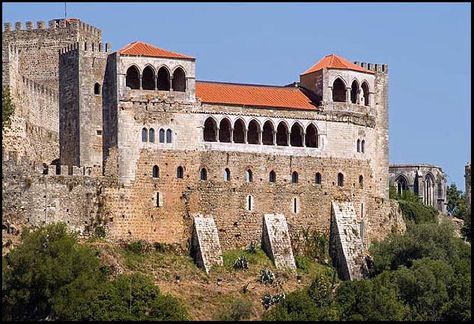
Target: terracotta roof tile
334, 61
252, 95
144, 49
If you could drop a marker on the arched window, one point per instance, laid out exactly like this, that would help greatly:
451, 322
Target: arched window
358, 145
401, 184
294, 177
354, 91
203, 174
296, 137
253, 133
210, 130
169, 136
311, 137
144, 135
249, 203
156, 171
362, 146
151, 135
282, 134
162, 135
133, 78
226, 174
272, 176
361, 181
148, 79
97, 89
179, 172
365, 91
295, 206
163, 79
338, 91
429, 190
249, 176
239, 131
317, 178
340, 179
179, 80
224, 131
267, 135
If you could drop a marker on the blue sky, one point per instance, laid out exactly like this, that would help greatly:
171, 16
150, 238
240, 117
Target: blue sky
427, 47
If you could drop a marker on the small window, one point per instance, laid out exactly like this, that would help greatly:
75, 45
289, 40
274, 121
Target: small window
272, 176
294, 177
362, 146
361, 181
249, 203
156, 171
295, 205
169, 136
226, 175
340, 179
159, 200
249, 176
162, 135
99, 132
361, 210
203, 174
358, 145
97, 89
151, 135
144, 135
317, 178
179, 172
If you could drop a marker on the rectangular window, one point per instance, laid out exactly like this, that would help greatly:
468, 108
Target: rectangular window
159, 200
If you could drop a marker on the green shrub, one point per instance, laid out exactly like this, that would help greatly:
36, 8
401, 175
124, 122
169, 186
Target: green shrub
136, 247
297, 306
99, 231
238, 310
316, 245
417, 212
8, 108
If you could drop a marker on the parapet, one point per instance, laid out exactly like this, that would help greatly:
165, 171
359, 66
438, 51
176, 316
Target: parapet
39, 88
68, 23
87, 47
383, 68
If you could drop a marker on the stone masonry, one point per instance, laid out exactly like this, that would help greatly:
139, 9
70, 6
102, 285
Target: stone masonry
276, 241
206, 246
131, 142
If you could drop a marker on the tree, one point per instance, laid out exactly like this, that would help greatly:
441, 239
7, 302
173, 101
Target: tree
48, 260
8, 108
456, 202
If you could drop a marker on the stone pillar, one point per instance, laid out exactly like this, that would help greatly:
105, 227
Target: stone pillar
288, 139
260, 137
245, 136
171, 83
304, 139
217, 134
232, 135
141, 78
348, 95
330, 94
274, 133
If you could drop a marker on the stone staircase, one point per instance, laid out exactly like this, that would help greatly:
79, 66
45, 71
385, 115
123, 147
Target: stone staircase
206, 246
276, 241
349, 245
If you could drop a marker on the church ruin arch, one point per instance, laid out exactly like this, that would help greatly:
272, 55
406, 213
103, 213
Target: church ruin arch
296, 135
253, 132
210, 130
225, 131
282, 134
133, 78
163, 80
239, 131
267, 134
179, 80
148, 78
338, 91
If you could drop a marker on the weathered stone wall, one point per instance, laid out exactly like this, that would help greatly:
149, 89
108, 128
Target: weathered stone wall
32, 198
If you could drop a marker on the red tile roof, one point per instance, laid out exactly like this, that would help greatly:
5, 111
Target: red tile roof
333, 61
144, 49
252, 95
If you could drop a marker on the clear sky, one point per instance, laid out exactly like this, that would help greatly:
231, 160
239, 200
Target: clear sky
426, 46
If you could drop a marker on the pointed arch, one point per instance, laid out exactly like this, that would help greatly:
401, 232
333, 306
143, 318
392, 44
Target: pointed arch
365, 92
296, 135
253, 132
226, 174
267, 134
248, 175
294, 177
339, 90
144, 134
210, 130
156, 171
132, 79
354, 91
163, 81
239, 131
151, 135
203, 174
179, 172
162, 135
148, 78
169, 136
224, 130
282, 134
311, 136
179, 80
402, 184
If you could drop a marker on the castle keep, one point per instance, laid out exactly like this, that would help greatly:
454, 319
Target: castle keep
139, 145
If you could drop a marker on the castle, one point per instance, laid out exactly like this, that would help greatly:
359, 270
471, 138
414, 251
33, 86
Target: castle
131, 141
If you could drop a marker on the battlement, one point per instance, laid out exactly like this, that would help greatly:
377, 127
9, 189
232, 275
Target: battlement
87, 47
38, 88
68, 23
383, 68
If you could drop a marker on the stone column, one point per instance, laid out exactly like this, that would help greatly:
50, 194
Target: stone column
348, 95
217, 134
156, 82
288, 139
232, 135
304, 139
141, 77
171, 83
260, 137
330, 94
274, 133
245, 136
